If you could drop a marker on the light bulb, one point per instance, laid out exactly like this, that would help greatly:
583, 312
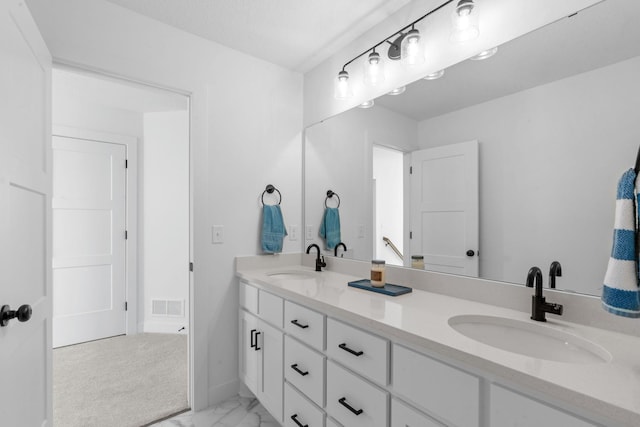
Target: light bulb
464, 24
342, 88
412, 48
374, 69
367, 104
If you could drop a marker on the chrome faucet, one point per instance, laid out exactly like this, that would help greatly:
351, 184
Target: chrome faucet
335, 250
320, 259
539, 307
554, 271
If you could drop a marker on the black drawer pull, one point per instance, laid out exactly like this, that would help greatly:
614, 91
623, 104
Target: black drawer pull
294, 417
256, 347
343, 402
295, 368
295, 322
253, 343
345, 348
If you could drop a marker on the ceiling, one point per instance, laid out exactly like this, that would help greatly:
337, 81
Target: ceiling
296, 34
598, 36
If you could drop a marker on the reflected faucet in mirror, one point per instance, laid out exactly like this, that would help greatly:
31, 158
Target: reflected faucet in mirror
539, 307
554, 271
319, 259
335, 250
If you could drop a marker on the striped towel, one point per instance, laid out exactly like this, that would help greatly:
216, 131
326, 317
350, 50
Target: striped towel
620, 293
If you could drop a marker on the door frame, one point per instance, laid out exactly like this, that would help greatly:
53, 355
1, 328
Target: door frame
195, 383
131, 211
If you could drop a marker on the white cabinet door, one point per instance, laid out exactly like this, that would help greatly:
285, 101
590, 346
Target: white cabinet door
248, 365
512, 409
270, 343
25, 218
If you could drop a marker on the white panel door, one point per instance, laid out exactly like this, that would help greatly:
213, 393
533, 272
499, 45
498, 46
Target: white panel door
25, 219
89, 202
444, 208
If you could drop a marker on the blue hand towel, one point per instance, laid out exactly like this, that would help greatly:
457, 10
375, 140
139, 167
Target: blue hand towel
273, 230
330, 227
620, 293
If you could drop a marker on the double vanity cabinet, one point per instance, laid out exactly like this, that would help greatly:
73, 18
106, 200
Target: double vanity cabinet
310, 368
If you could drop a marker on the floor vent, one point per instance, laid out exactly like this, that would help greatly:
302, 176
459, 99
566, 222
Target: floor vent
168, 308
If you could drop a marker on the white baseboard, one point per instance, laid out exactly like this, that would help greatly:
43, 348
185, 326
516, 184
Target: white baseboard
164, 327
222, 392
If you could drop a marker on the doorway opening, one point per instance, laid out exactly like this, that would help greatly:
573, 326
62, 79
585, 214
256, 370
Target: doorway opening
388, 183
121, 248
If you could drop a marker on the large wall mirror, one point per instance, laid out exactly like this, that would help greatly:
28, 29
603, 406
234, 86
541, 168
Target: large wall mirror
556, 117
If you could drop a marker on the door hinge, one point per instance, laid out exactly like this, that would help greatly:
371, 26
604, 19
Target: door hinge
126, 163
411, 234
410, 170
126, 306
126, 234
190, 266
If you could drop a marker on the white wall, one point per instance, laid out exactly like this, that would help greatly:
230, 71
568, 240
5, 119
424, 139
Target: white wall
575, 136
246, 119
165, 218
388, 173
338, 157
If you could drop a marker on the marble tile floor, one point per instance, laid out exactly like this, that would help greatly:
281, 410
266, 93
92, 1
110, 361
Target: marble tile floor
235, 412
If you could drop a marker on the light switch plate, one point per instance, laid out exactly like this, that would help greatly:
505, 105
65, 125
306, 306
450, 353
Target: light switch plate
217, 234
309, 230
293, 232
360, 231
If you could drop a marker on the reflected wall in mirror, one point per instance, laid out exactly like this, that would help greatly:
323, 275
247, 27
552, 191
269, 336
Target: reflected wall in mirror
556, 115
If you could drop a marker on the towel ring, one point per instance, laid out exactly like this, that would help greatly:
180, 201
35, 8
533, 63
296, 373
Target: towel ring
330, 194
270, 189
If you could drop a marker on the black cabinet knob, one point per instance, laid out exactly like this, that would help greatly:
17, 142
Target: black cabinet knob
23, 313
470, 252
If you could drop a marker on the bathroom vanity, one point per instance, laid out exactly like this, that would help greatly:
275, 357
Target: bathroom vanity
316, 352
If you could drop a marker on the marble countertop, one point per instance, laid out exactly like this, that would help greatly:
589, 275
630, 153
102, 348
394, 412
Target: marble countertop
610, 392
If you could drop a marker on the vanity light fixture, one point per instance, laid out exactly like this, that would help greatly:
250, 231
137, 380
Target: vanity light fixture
342, 88
464, 25
434, 76
374, 69
397, 91
485, 54
367, 104
405, 46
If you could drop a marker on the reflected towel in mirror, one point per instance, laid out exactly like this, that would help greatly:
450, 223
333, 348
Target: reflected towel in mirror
330, 227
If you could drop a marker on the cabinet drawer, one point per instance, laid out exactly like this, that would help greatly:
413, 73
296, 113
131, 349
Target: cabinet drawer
512, 409
360, 351
248, 297
304, 324
298, 408
304, 368
270, 308
439, 389
353, 401
403, 415
331, 423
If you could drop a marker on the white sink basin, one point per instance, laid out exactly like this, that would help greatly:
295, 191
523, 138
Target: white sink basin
530, 339
292, 275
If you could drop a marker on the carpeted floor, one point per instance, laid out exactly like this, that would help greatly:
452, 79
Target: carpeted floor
121, 381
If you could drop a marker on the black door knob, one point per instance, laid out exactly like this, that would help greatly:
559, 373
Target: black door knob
470, 253
23, 313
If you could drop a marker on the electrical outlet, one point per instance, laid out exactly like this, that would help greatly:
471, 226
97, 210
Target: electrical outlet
360, 231
217, 234
293, 232
309, 232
